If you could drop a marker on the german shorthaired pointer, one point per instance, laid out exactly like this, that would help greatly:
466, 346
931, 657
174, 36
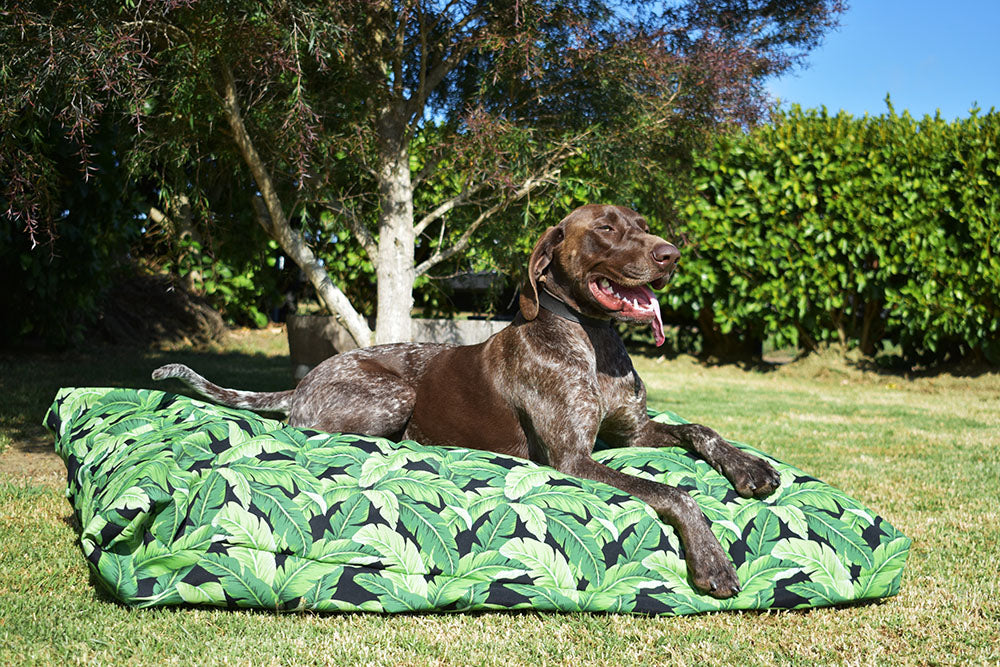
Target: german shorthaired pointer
545, 388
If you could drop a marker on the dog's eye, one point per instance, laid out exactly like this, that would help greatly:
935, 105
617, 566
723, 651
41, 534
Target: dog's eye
605, 228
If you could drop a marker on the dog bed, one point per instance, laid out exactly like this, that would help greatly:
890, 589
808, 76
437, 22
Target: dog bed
183, 502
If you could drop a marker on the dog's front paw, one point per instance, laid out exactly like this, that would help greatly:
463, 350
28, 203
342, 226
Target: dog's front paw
751, 476
713, 573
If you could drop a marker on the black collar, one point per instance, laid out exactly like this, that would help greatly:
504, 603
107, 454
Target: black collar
560, 308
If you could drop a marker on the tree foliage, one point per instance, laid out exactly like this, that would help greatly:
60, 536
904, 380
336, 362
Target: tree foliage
407, 126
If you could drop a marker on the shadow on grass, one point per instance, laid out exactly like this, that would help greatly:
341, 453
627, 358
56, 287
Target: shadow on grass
28, 382
884, 365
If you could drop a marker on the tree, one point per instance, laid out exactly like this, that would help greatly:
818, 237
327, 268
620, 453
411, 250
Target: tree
300, 114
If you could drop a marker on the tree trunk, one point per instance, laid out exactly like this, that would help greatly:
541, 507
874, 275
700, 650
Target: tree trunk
397, 238
869, 335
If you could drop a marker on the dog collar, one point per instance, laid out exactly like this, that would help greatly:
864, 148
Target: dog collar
560, 308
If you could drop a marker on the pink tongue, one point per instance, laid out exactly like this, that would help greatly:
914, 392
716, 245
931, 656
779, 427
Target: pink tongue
657, 325
645, 297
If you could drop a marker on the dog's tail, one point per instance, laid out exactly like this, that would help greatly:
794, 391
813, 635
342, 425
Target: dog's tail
277, 401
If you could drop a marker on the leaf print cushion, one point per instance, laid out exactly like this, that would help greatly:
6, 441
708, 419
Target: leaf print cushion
180, 501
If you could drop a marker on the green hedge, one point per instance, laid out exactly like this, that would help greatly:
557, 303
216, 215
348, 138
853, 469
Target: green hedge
875, 232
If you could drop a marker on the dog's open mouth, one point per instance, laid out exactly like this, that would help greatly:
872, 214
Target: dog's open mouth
633, 303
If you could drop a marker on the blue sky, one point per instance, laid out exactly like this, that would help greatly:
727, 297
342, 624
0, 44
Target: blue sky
926, 55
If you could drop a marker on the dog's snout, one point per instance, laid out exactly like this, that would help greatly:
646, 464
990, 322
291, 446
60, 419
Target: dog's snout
666, 254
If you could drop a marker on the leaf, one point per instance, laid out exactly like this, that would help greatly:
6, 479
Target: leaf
544, 564
686, 603
340, 551
498, 528
297, 576
476, 468
623, 579
549, 599
210, 592
288, 475
437, 544
244, 586
446, 591
532, 517
260, 563
570, 499
198, 540
762, 575
522, 479
857, 519
241, 448
764, 534
154, 560
669, 566
421, 486
819, 561
393, 595
483, 566
375, 468
817, 594
718, 514
352, 513
134, 498
882, 579
844, 540
289, 526
793, 517
386, 502
582, 550
244, 528
483, 501
644, 540
457, 518
117, 573
208, 498
392, 547
816, 494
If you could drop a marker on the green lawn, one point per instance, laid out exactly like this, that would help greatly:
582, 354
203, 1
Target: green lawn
924, 453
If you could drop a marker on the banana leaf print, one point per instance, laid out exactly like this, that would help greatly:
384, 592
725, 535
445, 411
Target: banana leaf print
183, 502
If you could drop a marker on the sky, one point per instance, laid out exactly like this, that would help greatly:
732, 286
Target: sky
926, 55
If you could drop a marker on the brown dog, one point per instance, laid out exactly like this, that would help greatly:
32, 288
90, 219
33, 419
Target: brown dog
545, 388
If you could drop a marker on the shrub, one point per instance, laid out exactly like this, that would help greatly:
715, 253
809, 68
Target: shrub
869, 232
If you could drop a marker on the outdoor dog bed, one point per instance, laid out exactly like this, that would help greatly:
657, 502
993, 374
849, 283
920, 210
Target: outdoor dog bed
180, 501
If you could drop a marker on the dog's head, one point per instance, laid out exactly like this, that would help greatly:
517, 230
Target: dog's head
603, 262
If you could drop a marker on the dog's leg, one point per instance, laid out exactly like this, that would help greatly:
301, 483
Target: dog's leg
566, 445
709, 565
750, 475
381, 408
370, 391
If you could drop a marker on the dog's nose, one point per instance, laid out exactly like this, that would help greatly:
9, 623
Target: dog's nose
666, 254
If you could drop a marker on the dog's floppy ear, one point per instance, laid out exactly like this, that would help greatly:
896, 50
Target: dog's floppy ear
541, 256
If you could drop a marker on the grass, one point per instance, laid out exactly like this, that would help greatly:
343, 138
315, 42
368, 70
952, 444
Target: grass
922, 452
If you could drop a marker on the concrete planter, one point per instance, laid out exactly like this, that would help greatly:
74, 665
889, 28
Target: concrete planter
313, 338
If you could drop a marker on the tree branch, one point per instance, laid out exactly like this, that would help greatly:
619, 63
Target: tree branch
429, 80
465, 240
549, 171
461, 198
358, 229
271, 216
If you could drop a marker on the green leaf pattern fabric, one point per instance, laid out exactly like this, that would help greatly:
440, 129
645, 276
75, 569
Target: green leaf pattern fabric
184, 502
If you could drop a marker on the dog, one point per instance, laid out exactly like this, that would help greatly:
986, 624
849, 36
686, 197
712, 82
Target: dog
544, 388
